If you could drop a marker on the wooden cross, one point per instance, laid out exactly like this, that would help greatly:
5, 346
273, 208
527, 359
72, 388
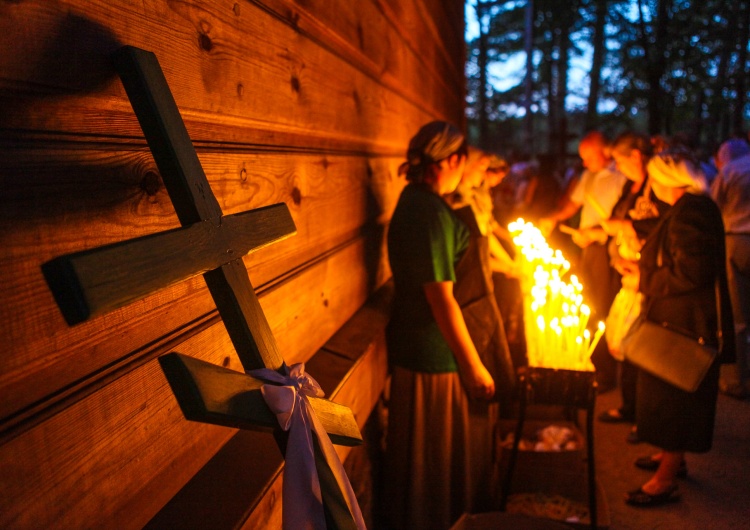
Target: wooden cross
96, 281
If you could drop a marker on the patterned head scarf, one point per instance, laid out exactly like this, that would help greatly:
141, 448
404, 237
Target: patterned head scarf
434, 142
675, 169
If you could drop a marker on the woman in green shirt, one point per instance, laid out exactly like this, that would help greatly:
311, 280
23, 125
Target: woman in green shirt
438, 446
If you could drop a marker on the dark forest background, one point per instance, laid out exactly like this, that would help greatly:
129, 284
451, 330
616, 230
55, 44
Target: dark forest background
659, 66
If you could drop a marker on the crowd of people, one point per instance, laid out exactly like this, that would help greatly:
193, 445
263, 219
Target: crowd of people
640, 214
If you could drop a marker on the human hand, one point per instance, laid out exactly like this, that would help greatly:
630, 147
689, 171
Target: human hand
546, 226
612, 226
623, 229
625, 266
581, 237
479, 383
509, 269
632, 278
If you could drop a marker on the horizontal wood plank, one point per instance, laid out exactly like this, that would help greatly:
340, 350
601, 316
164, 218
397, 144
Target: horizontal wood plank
237, 57
130, 439
329, 199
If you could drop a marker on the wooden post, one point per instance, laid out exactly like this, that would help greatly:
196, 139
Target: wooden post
95, 281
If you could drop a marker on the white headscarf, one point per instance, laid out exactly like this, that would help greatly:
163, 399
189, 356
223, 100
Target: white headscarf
675, 170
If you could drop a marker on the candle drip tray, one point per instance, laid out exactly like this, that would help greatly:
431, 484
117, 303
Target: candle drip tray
553, 386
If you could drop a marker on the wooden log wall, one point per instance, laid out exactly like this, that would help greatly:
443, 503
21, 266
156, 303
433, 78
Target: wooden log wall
307, 102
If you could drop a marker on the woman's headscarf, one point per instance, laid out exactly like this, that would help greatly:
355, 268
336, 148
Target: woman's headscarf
434, 142
677, 170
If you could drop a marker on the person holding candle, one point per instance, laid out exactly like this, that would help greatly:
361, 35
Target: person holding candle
440, 422
633, 217
594, 196
680, 263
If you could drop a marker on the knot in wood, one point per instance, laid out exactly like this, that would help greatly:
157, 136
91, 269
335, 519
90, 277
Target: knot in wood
296, 196
151, 183
205, 42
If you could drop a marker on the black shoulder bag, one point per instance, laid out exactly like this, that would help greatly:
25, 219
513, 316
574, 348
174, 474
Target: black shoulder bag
676, 358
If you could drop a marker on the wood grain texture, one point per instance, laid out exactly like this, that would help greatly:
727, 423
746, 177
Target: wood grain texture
218, 62
329, 203
309, 103
130, 440
220, 497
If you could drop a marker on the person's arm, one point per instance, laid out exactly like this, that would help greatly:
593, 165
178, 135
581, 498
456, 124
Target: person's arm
501, 233
450, 321
583, 237
566, 210
500, 261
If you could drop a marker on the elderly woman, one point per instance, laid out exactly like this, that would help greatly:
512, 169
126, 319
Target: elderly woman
438, 444
679, 266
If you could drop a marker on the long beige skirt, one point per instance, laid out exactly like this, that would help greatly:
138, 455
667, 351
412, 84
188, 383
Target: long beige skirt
438, 454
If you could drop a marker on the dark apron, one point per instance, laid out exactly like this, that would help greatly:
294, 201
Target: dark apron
475, 295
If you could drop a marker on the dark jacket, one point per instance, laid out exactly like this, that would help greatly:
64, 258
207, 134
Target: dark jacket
679, 265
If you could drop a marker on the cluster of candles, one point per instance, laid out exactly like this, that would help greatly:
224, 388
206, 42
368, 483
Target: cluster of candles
555, 316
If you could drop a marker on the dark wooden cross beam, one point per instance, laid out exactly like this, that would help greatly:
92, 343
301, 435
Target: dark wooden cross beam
95, 281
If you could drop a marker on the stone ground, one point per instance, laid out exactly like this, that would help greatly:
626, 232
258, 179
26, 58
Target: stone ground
716, 493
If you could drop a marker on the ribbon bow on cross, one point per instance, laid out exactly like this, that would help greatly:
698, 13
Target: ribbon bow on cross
288, 401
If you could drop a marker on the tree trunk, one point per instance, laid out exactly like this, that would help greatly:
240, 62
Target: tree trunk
528, 46
483, 88
597, 61
549, 73
655, 62
719, 113
562, 86
743, 33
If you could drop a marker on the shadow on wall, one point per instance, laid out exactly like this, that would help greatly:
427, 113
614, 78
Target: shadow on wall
49, 58
57, 52
374, 231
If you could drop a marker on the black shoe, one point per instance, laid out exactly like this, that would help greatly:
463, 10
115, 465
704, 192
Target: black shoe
614, 416
642, 499
649, 464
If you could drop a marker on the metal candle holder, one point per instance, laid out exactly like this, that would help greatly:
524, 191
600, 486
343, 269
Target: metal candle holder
551, 386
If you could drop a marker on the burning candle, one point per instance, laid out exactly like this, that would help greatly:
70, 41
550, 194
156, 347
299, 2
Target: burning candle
556, 317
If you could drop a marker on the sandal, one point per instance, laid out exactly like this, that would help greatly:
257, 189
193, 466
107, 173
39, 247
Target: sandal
649, 464
642, 499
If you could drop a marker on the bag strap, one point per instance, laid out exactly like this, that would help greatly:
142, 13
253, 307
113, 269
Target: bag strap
717, 297
719, 327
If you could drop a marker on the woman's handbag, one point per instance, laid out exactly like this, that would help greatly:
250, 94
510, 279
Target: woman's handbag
624, 311
678, 359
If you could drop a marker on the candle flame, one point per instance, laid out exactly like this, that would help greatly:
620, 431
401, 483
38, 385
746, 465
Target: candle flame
555, 315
